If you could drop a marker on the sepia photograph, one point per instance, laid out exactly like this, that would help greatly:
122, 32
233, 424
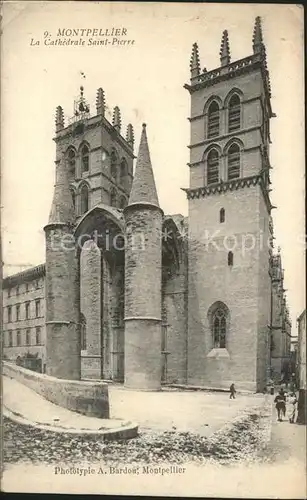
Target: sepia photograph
152, 312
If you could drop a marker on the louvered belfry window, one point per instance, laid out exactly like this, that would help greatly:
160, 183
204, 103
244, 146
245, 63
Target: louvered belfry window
213, 167
213, 120
234, 113
233, 162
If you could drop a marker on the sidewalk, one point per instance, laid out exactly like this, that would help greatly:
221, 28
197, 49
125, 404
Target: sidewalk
27, 407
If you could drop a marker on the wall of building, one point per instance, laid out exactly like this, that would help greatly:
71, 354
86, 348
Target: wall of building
237, 286
30, 292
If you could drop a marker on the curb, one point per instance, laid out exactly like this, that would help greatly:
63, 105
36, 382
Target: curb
125, 432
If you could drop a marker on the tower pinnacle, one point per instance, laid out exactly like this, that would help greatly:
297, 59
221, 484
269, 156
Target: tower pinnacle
257, 36
59, 119
143, 188
224, 51
194, 61
100, 102
117, 121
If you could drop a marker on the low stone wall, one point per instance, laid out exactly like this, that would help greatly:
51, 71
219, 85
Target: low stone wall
88, 398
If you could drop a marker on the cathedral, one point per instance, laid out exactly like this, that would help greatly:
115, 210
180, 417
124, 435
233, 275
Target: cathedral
134, 295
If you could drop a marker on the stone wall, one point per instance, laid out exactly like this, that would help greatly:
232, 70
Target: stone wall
88, 398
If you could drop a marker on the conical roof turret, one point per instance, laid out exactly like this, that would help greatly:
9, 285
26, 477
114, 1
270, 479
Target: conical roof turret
143, 187
62, 210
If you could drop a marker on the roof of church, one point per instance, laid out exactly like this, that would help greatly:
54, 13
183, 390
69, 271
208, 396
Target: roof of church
144, 187
24, 276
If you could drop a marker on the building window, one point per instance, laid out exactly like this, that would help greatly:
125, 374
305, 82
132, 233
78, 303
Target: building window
234, 113
85, 155
72, 161
84, 199
113, 198
213, 167
218, 316
37, 284
18, 337
73, 198
17, 290
219, 329
9, 292
123, 171
213, 120
233, 162
38, 335
230, 258
113, 164
10, 338
17, 312
27, 306
37, 308
27, 287
222, 215
28, 337
9, 314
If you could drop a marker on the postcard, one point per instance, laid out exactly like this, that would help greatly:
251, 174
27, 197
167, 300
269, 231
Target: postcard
153, 312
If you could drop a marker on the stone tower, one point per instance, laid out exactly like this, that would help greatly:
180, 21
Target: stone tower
62, 279
229, 210
98, 156
143, 218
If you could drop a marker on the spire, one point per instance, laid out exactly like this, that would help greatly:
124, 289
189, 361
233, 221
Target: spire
194, 61
257, 36
143, 187
100, 102
130, 135
62, 210
117, 121
224, 51
59, 119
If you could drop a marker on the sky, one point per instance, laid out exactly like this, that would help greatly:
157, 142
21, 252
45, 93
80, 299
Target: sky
146, 81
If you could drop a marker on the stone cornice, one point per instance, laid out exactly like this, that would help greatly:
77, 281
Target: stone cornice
232, 185
232, 70
218, 138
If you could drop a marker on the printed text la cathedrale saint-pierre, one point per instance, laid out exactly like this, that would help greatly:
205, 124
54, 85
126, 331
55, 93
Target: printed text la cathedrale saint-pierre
113, 37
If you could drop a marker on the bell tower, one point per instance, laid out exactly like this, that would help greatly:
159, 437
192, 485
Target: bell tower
229, 210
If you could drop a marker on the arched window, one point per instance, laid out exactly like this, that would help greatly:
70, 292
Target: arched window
218, 316
113, 198
233, 162
73, 198
85, 158
222, 215
230, 258
113, 165
123, 171
213, 167
84, 199
122, 202
213, 120
234, 113
72, 161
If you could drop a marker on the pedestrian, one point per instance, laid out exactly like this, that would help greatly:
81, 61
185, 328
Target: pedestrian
292, 400
280, 405
232, 392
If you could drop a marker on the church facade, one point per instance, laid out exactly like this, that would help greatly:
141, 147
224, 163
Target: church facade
134, 295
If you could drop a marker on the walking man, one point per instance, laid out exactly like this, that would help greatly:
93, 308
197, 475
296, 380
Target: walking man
232, 392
